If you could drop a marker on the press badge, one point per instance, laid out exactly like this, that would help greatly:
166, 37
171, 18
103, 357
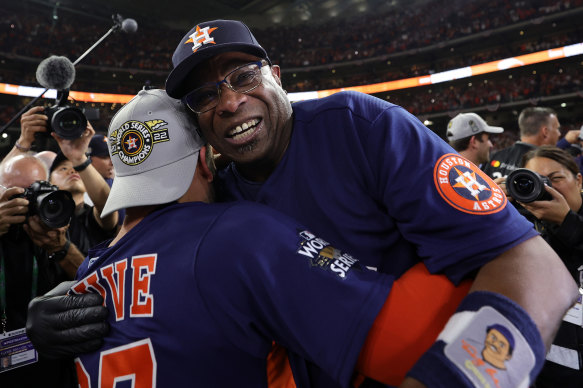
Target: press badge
16, 350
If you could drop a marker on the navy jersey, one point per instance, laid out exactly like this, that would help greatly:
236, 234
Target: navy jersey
369, 176
198, 292
503, 162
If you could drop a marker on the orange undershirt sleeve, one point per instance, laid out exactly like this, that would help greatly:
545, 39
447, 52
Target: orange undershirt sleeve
415, 312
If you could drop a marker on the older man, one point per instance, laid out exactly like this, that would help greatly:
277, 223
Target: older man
365, 173
28, 267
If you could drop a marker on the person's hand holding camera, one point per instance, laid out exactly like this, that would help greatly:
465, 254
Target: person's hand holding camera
49, 239
553, 211
12, 210
75, 149
31, 122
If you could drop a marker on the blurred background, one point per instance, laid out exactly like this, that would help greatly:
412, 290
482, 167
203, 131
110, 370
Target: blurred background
320, 45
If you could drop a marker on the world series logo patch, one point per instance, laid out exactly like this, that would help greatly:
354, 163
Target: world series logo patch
133, 141
467, 188
321, 254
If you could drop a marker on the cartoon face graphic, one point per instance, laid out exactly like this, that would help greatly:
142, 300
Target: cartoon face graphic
498, 346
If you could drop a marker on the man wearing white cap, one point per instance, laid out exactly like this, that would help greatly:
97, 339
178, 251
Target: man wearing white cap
469, 135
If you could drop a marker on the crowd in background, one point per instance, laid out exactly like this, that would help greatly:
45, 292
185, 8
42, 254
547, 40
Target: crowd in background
304, 45
308, 45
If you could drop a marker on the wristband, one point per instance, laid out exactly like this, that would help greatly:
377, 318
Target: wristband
21, 148
83, 165
60, 254
489, 341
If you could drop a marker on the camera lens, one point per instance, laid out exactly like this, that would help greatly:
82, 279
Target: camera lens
52, 207
69, 123
524, 185
56, 209
527, 186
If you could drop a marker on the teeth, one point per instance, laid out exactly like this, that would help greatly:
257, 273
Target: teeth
243, 127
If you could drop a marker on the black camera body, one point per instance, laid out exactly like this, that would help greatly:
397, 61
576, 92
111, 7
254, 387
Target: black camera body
54, 207
527, 186
66, 121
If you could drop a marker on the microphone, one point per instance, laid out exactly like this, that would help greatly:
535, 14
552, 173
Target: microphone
129, 25
55, 72
126, 25
59, 73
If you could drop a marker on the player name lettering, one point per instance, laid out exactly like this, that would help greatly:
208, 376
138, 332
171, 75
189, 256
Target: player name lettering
113, 281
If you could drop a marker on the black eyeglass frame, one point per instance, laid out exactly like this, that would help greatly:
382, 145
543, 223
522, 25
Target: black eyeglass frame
257, 75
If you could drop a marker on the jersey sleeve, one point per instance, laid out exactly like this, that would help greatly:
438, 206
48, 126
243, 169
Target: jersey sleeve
454, 214
264, 278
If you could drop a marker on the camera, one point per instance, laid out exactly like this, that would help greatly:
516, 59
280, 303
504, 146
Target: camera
54, 207
527, 186
66, 121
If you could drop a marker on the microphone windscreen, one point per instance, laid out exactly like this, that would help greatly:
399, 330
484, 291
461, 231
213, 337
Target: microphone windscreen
129, 25
55, 72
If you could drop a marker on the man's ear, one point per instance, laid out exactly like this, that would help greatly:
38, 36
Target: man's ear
276, 72
473, 141
202, 165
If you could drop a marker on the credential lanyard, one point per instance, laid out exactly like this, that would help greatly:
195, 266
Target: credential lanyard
3, 317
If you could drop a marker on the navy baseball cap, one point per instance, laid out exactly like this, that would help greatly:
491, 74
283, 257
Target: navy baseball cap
98, 146
204, 41
60, 158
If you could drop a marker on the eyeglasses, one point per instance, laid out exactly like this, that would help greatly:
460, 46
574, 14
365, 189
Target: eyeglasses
241, 80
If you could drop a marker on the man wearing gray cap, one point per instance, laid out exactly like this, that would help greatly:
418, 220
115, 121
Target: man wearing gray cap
469, 135
369, 175
193, 288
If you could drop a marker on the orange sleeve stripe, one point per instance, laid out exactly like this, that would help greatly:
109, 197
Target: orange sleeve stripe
415, 312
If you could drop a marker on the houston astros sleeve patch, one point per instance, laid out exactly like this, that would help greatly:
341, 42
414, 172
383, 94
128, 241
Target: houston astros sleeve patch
465, 187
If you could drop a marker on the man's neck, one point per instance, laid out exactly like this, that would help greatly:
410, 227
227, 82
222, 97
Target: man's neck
532, 140
132, 218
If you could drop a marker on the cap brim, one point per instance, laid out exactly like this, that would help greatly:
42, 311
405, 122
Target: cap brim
153, 187
490, 129
174, 82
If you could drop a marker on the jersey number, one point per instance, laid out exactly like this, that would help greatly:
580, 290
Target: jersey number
134, 362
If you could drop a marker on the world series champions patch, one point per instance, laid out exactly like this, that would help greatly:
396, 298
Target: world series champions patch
465, 187
134, 140
321, 254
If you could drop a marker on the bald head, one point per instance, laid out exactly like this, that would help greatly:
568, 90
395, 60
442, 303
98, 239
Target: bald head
22, 171
47, 157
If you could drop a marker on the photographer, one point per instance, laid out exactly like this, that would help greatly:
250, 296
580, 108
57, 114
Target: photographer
559, 219
31, 122
28, 267
72, 171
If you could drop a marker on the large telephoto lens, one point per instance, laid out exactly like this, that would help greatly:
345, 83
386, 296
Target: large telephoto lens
56, 209
69, 122
527, 186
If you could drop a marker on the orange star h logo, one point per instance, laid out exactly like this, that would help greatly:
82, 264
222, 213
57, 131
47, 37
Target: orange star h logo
201, 36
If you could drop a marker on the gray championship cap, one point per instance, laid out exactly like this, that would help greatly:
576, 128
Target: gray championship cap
468, 124
154, 149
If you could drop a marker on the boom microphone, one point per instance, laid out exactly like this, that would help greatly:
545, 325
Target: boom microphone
55, 72
126, 25
59, 73
129, 25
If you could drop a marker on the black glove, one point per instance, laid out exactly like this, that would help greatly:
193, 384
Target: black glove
61, 326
